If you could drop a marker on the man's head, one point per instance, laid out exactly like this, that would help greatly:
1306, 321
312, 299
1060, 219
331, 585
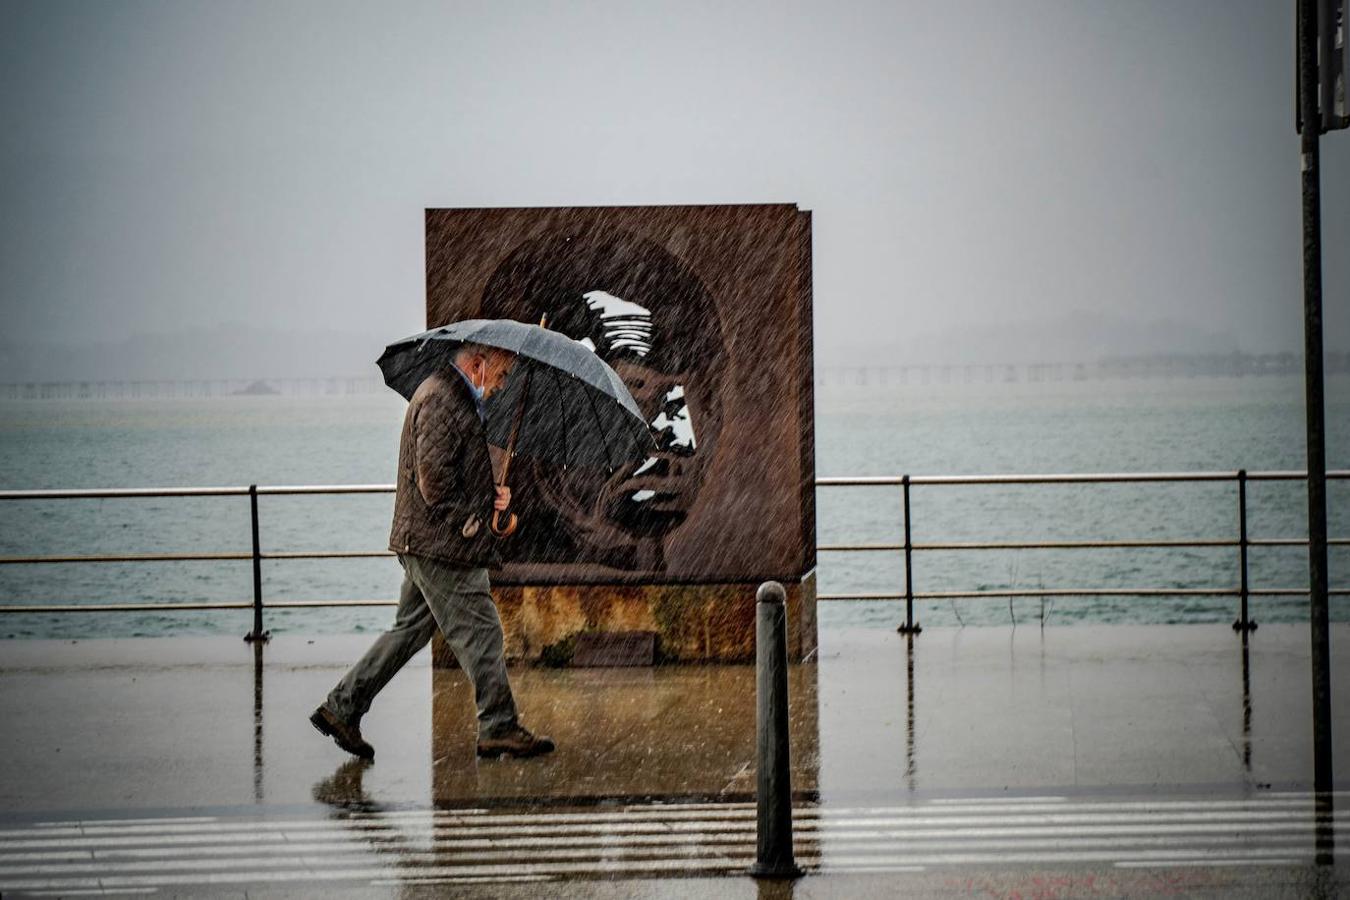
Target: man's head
485, 367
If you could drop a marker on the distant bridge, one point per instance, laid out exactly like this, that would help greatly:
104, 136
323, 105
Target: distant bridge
1230, 365
202, 387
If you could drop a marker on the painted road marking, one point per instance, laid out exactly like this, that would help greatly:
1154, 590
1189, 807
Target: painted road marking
1084, 814
838, 854
667, 812
1213, 863
458, 846
259, 834
266, 832
603, 868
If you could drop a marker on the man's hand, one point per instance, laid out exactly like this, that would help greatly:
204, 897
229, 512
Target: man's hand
503, 498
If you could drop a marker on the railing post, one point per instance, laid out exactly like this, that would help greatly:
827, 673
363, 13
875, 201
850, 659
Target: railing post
257, 634
773, 794
910, 626
1244, 622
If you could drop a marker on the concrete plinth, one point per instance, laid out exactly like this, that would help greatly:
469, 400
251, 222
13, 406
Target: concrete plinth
692, 623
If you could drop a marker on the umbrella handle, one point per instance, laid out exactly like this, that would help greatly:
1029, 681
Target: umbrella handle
509, 528
503, 531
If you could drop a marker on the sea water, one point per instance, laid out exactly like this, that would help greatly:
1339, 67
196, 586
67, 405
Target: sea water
1144, 425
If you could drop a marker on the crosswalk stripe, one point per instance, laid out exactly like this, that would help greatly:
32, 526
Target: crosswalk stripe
1197, 832
1043, 858
149, 820
479, 879
838, 850
983, 801
344, 844
1084, 818
1211, 863
458, 846
99, 892
603, 867
918, 816
1207, 835
1123, 807
666, 809
653, 867
245, 832
1291, 805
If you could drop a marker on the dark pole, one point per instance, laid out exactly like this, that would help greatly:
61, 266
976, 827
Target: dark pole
909, 627
773, 795
257, 634
1244, 622
1311, 119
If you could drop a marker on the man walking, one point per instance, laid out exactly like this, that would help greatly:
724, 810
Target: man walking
442, 509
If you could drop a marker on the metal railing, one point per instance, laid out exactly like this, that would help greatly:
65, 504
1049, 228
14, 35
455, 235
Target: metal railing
252, 491
1243, 591
1241, 541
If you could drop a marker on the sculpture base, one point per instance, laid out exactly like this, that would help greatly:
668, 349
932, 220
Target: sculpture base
692, 623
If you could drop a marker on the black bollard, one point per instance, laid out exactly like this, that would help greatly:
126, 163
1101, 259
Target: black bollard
773, 858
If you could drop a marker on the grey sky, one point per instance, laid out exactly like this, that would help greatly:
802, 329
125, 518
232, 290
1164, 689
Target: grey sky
176, 165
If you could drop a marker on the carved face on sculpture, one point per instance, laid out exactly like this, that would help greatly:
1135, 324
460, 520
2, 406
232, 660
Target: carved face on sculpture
641, 310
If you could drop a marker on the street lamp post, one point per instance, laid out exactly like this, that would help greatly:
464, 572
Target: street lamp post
1321, 106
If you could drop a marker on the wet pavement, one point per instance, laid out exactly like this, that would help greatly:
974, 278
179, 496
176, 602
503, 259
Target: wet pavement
1082, 761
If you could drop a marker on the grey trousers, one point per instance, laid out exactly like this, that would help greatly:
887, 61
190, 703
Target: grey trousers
459, 602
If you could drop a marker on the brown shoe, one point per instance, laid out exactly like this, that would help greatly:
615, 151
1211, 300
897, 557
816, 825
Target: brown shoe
515, 741
348, 737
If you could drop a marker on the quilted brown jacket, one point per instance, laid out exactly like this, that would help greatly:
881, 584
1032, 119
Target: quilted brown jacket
444, 494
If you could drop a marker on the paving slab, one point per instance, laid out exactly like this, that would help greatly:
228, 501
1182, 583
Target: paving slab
1074, 761
122, 724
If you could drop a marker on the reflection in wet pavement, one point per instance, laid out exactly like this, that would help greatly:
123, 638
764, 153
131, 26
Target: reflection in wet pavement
1173, 754
678, 732
1190, 842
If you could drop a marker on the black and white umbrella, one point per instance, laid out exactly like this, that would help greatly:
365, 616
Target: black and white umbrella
561, 404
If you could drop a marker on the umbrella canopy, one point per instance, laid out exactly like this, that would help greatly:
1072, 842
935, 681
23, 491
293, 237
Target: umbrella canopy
574, 410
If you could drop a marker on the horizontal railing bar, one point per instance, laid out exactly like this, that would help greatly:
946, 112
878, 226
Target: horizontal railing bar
857, 481
856, 548
311, 604
1031, 545
329, 554
823, 548
197, 557
1076, 545
94, 493
185, 607
327, 489
120, 607
1079, 592
930, 595
1053, 478
1047, 592
129, 557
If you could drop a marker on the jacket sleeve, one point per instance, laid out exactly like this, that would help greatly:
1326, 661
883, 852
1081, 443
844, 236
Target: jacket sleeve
437, 448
